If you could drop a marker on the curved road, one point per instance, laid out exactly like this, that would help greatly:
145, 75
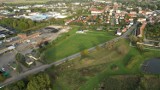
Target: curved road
43, 67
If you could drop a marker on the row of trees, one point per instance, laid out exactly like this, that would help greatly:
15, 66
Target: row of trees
134, 41
38, 82
18, 24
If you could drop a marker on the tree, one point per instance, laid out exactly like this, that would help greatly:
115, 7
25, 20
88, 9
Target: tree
135, 19
37, 53
20, 57
122, 49
127, 17
39, 82
9, 9
156, 43
84, 53
21, 85
22, 25
140, 47
14, 24
15, 88
133, 39
30, 23
1, 78
19, 68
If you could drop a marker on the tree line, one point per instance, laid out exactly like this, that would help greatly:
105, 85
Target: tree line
153, 31
40, 81
18, 24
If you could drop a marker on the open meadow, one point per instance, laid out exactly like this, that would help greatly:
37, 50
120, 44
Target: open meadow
88, 72
72, 42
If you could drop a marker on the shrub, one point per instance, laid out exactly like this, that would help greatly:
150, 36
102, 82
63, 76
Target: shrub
114, 67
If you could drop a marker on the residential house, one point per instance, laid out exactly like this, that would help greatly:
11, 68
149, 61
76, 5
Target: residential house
133, 14
124, 29
28, 11
29, 61
94, 11
32, 57
119, 33
23, 7
16, 10
117, 21
142, 12
149, 13
141, 20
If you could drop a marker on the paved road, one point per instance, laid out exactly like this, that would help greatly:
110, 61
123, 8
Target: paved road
43, 67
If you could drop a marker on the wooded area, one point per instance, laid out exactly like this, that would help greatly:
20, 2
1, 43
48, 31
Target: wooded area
38, 82
153, 31
18, 24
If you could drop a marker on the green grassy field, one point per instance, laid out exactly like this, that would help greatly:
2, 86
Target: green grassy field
87, 73
71, 43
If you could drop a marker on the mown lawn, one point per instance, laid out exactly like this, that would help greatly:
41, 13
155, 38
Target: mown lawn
71, 43
87, 73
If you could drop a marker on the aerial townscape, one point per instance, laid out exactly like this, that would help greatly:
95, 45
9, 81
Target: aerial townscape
79, 44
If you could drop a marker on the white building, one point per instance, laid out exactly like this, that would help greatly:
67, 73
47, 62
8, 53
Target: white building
97, 12
38, 5
141, 20
28, 11
149, 13
23, 7
94, 11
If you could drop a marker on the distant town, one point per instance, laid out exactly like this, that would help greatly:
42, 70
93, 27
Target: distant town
75, 37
